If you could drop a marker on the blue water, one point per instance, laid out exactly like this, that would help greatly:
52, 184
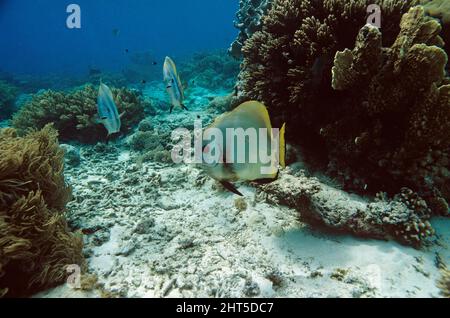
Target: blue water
34, 38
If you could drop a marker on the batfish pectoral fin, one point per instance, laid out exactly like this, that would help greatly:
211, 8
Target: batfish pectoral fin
100, 120
230, 187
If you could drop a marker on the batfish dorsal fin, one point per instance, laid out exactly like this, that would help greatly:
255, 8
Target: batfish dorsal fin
253, 113
172, 65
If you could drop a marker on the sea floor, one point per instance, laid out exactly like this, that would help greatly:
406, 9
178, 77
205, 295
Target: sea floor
159, 230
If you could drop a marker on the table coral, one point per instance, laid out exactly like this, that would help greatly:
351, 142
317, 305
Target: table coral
74, 113
35, 242
379, 121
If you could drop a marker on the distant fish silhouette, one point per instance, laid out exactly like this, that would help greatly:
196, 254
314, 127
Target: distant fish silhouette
144, 81
115, 32
94, 72
126, 51
155, 63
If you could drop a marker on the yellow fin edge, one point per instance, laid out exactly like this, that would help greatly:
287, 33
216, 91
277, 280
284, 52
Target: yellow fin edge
283, 146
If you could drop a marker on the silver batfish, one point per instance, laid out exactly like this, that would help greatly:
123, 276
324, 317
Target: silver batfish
173, 84
107, 110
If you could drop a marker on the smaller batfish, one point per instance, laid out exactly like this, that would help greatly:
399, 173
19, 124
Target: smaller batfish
173, 84
107, 110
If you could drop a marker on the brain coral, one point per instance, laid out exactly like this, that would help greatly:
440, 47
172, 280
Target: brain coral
380, 120
35, 243
74, 114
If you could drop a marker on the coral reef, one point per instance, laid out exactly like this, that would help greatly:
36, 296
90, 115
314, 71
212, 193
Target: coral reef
8, 94
248, 21
74, 114
361, 120
72, 156
212, 70
444, 283
417, 155
145, 125
153, 146
35, 242
440, 9
221, 104
318, 203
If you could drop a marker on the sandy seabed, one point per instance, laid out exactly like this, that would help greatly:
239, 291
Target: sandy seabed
159, 230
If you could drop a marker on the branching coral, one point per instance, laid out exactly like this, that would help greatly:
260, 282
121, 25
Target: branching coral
287, 64
74, 114
35, 243
8, 94
380, 120
248, 21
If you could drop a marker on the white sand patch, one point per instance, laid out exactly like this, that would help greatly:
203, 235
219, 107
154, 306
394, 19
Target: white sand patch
169, 231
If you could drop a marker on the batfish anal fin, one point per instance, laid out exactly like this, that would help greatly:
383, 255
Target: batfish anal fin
266, 180
184, 107
230, 187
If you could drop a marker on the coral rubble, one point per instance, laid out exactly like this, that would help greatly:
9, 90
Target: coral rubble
35, 242
396, 219
74, 114
376, 115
